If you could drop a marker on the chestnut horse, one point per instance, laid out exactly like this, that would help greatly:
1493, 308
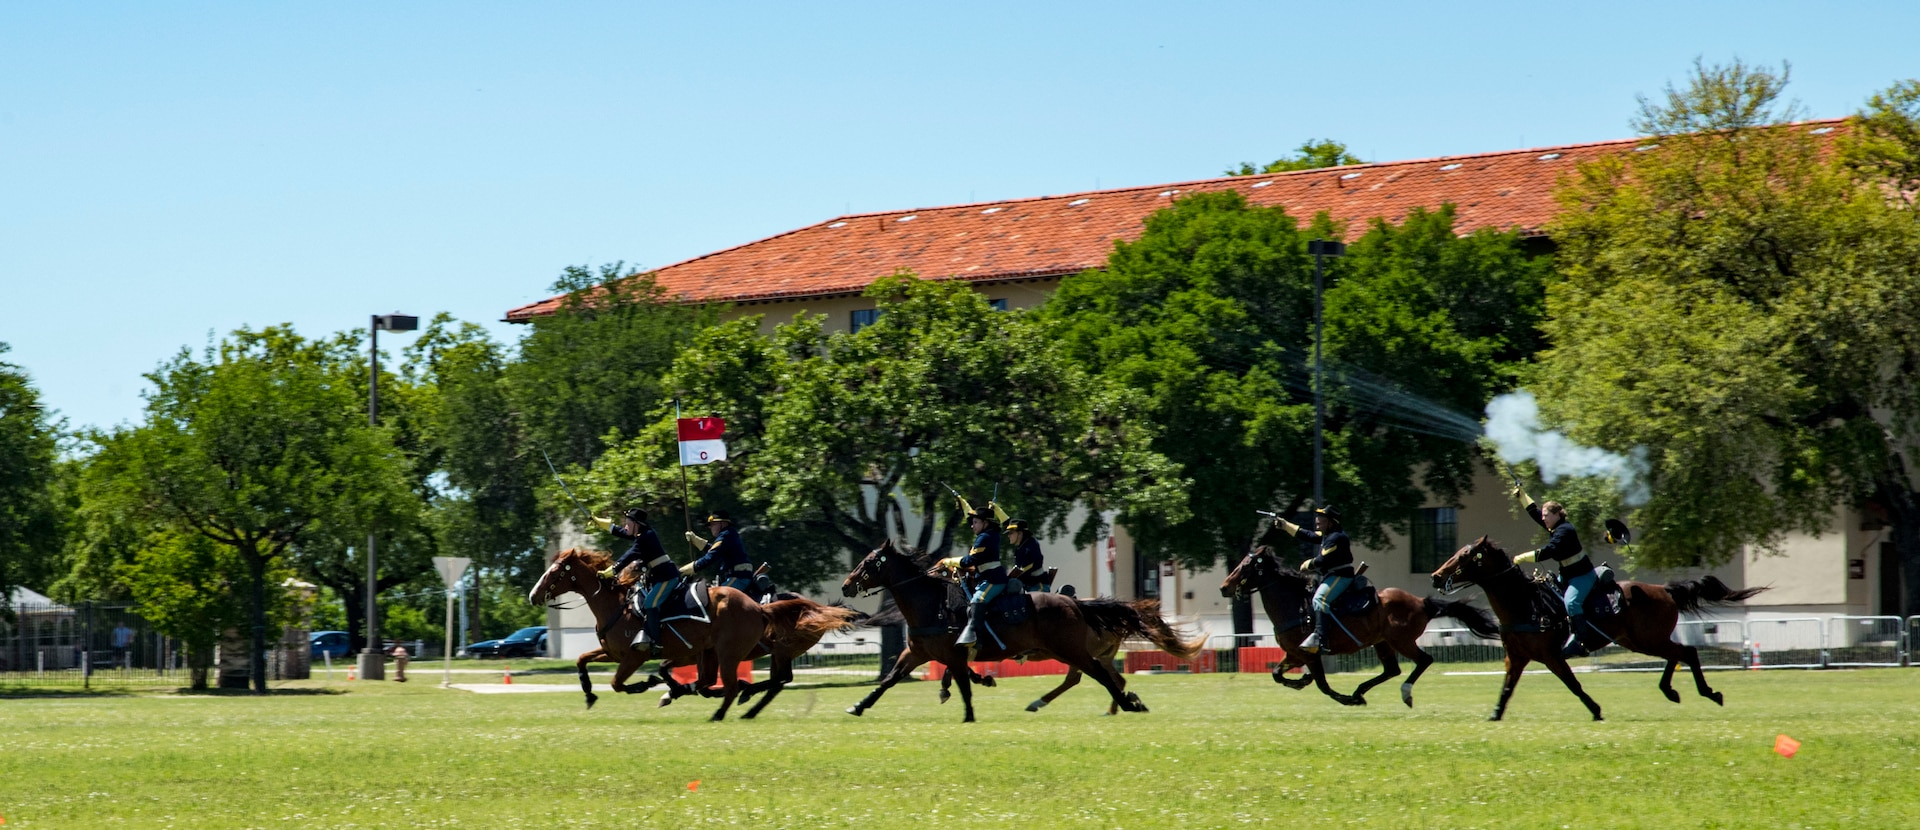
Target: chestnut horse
1059, 628
738, 624
1393, 626
1645, 623
797, 624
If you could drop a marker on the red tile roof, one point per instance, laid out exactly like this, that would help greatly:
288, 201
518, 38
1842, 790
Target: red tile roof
1058, 235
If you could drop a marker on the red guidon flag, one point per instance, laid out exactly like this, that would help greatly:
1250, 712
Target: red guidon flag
700, 441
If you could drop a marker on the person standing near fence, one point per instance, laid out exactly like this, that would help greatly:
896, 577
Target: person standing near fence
399, 662
122, 643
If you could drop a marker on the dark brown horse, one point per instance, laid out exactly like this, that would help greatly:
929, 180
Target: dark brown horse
1059, 628
1393, 626
1104, 645
796, 626
1645, 623
738, 623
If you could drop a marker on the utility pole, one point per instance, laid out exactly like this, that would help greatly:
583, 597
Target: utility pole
1320, 249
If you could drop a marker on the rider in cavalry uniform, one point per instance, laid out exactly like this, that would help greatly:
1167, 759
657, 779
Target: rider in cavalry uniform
657, 580
984, 559
1576, 570
1028, 561
725, 558
1334, 564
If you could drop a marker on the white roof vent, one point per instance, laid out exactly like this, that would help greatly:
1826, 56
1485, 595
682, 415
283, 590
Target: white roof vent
992, 210
838, 225
1168, 193
1351, 176
1550, 157
1078, 202
1454, 166
908, 218
1821, 130
1263, 184
1645, 147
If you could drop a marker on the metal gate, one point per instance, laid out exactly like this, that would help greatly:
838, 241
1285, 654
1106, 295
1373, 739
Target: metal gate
1865, 641
1788, 643
1722, 644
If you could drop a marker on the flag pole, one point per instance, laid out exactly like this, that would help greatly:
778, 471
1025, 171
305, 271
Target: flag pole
686, 492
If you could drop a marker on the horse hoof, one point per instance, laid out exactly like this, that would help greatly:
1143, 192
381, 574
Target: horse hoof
1356, 700
854, 711
1279, 676
1718, 699
665, 698
1671, 694
592, 699
1036, 705
1597, 718
945, 695
1494, 717
1406, 694
988, 681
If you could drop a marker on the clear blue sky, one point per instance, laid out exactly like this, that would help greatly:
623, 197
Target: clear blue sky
170, 170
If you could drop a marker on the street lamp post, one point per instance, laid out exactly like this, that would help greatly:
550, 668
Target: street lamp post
373, 664
1321, 249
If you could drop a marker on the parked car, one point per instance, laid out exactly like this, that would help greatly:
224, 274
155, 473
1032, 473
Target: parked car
527, 642
330, 643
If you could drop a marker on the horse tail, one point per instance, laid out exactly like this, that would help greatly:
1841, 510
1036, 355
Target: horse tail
1140, 619
803, 618
1688, 594
1477, 621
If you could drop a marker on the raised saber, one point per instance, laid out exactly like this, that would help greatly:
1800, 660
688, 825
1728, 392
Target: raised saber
568, 490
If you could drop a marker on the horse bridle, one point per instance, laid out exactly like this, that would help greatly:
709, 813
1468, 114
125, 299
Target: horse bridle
598, 586
1449, 589
880, 585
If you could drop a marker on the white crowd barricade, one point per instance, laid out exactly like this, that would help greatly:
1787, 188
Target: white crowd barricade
1788, 642
1865, 641
1722, 644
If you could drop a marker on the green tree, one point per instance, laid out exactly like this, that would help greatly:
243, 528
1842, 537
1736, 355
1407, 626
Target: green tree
1209, 314
1312, 155
1743, 304
593, 367
31, 528
942, 390
190, 588
256, 446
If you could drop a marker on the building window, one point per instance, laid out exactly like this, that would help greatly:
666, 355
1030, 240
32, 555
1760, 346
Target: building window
998, 305
1433, 538
865, 317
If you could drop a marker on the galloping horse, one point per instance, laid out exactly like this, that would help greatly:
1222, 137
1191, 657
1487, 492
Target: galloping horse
1060, 628
738, 624
1103, 645
1645, 623
1394, 625
796, 625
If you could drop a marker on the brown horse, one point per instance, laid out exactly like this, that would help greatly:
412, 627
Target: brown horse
1393, 626
1060, 628
738, 623
796, 626
1645, 623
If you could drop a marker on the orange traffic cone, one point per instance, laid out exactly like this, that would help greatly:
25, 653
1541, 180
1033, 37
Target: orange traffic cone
507, 678
350, 673
1756, 657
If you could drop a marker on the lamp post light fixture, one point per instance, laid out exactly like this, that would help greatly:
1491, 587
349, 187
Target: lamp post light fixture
372, 661
1320, 249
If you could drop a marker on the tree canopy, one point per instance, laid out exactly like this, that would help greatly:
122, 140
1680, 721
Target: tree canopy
1209, 315
941, 391
31, 516
1745, 304
1312, 155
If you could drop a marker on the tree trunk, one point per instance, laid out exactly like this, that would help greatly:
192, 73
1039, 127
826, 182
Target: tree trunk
1896, 495
199, 659
257, 570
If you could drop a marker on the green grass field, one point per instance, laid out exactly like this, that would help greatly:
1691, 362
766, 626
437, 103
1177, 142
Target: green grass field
1217, 750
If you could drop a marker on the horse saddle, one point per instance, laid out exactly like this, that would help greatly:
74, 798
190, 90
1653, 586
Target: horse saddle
1359, 598
693, 603
1009, 608
763, 590
1608, 598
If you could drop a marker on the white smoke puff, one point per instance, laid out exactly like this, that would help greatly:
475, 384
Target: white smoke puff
1513, 423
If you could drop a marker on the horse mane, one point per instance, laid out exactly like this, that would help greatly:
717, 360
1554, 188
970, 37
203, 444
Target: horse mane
925, 560
1281, 569
595, 559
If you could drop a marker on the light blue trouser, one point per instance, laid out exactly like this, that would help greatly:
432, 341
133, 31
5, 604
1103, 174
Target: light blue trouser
1577, 590
988, 590
655, 594
1329, 591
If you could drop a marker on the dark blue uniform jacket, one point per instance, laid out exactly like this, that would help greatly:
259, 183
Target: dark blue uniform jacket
725, 555
1563, 546
985, 558
1336, 552
646, 550
1027, 558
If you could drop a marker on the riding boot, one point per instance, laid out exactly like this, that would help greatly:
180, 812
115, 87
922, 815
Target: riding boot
1311, 644
967, 637
649, 638
1576, 645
